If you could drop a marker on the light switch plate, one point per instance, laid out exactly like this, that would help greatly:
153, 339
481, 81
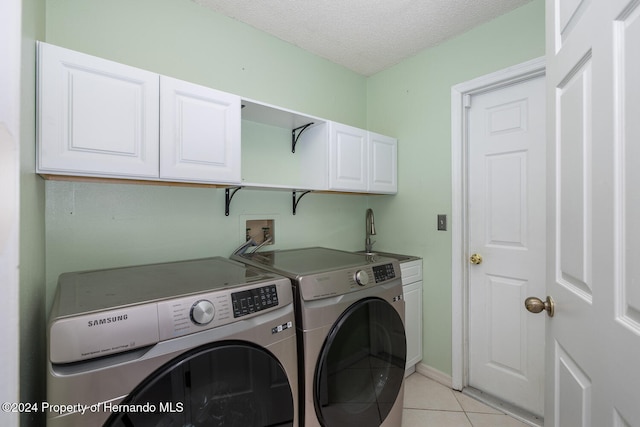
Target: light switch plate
442, 222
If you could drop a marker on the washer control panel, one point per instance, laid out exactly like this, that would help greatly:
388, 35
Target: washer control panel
384, 272
254, 300
202, 312
362, 278
186, 315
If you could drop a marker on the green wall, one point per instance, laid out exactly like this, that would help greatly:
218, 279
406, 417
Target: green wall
181, 39
33, 306
103, 225
412, 101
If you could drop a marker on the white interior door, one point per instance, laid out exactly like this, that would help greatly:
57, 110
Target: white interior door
506, 216
593, 88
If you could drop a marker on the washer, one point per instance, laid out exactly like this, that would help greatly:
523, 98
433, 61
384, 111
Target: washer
351, 337
193, 343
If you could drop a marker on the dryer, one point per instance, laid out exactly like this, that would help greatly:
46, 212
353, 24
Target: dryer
351, 336
192, 343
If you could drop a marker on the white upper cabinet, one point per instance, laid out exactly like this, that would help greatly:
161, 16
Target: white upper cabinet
96, 117
383, 164
105, 119
362, 161
348, 158
199, 133
99, 118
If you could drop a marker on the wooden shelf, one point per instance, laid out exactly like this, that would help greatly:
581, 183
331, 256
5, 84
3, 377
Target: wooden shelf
103, 180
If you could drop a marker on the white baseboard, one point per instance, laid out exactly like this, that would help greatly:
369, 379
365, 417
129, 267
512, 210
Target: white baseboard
409, 371
434, 374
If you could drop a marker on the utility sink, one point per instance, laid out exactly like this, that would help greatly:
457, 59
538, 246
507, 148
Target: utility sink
399, 257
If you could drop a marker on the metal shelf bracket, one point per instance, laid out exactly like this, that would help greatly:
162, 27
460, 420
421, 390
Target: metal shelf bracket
227, 198
295, 134
296, 201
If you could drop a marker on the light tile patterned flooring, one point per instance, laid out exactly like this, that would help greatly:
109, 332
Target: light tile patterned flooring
428, 403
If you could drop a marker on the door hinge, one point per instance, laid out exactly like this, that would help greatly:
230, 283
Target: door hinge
466, 101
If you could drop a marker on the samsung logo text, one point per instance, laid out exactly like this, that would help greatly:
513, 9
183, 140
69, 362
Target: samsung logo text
106, 320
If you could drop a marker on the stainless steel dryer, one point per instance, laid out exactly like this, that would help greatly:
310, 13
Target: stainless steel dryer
351, 337
193, 343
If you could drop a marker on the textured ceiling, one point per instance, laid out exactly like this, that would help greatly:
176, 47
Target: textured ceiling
365, 36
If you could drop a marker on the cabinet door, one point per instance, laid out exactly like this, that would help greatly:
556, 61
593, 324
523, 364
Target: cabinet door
412, 295
95, 117
200, 133
348, 158
383, 164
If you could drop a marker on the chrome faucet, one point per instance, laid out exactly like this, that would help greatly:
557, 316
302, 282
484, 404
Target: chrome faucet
370, 231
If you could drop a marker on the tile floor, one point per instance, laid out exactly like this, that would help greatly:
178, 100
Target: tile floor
428, 403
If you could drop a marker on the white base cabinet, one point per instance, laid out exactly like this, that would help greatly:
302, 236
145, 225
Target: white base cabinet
412, 294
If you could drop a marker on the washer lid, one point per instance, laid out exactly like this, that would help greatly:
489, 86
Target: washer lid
91, 291
306, 261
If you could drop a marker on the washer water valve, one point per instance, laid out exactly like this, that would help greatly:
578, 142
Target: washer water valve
261, 231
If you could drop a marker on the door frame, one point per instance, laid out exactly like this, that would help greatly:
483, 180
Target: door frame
460, 103
11, 80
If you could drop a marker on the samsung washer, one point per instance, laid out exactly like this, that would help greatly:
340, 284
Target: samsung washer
206, 342
351, 336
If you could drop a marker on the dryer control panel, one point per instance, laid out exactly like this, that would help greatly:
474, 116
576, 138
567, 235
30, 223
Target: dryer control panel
344, 281
384, 272
254, 300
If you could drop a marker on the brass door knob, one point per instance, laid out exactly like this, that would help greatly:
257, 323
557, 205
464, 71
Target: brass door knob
475, 259
536, 305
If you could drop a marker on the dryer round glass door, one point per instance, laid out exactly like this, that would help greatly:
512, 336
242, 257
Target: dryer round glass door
227, 383
361, 366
